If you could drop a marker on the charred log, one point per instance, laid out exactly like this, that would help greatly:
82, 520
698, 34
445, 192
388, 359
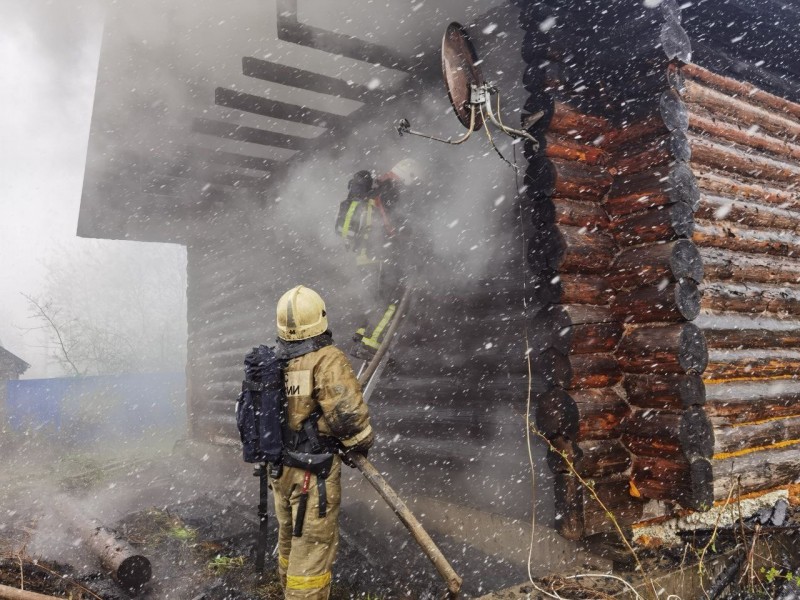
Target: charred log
655, 187
685, 435
663, 223
648, 265
659, 350
580, 514
689, 483
665, 391
676, 301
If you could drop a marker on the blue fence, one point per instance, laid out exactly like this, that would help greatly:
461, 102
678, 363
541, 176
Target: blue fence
111, 406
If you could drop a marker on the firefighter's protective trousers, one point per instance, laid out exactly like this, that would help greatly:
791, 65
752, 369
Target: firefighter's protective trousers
304, 563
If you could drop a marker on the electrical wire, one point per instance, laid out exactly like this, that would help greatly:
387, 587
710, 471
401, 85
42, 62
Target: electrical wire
491, 141
528, 351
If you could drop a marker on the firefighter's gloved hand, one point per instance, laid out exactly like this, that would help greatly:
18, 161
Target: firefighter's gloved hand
362, 451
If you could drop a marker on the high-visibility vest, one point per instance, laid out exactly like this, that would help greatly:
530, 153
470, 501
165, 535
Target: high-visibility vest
354, 225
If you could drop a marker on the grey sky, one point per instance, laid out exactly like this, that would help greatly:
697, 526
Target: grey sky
48, 66
48, 63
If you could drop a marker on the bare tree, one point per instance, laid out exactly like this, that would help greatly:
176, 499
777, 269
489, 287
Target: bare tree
115, 307
50, 317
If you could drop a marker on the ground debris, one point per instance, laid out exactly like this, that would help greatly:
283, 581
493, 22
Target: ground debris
52, 579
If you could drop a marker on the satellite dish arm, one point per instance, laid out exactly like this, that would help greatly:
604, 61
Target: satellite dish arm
404, 126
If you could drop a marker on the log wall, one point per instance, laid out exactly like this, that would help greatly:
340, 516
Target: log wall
663, 240
571, 248
746, 160
656, 276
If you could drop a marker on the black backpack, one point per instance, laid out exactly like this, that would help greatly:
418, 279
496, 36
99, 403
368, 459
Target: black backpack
260, 407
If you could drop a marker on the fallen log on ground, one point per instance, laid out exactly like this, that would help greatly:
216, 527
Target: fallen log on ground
129, 568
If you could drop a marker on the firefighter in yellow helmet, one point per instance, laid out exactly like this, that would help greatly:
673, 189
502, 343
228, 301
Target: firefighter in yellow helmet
325, 414
373, 222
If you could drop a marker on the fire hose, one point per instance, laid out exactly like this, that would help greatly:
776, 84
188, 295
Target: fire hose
371, 474
429, 547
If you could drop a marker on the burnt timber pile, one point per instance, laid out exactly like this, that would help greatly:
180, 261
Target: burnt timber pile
663, 240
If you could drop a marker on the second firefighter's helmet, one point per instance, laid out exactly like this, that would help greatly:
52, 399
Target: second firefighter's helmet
301, 314
408, 171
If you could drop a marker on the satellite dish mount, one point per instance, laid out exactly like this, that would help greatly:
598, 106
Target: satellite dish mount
469, 93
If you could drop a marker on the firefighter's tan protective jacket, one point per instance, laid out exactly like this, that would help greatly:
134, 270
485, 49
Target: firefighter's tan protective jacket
321, 378
325, 378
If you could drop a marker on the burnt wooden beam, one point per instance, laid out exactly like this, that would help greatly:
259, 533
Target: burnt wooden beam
567, 178
579, 371
129, 568
573, 124
568, 211
740, 267
290, 29
567, 315
755, 471
726, 63
730, 236
713, 127
722, 185
588, 338
723, 209
755, 338
577, 288
740, 110
657, 152
308, 80
275, 109
588, 414
250, 134
566, 148
591, 459
570, 249
755, 435
747, 364
631, 132
741, 161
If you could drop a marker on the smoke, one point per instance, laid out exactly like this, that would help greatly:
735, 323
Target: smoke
463, 209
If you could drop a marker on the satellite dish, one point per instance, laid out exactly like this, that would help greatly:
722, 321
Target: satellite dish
460, 72
469, 93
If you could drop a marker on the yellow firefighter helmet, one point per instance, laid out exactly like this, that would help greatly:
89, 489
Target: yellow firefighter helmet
301, 314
